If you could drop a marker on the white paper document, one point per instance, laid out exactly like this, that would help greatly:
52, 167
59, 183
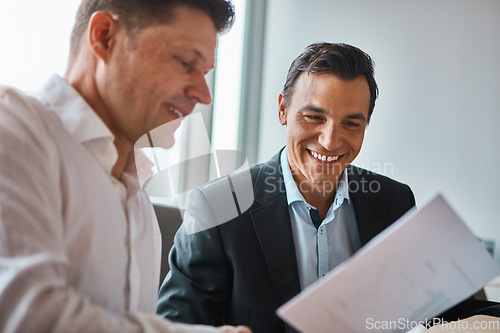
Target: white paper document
420, 266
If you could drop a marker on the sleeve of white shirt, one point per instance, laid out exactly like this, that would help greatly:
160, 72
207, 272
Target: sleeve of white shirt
34, 294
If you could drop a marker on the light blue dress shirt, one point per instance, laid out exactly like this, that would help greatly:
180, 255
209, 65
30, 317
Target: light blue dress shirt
320, 250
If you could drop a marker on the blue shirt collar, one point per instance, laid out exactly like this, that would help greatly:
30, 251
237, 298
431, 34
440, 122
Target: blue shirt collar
292, 192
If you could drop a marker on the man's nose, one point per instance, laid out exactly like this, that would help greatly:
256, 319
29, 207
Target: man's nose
329, 137
198, 90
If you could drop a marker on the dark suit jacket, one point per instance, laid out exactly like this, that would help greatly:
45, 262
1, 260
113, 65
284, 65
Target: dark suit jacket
240, 272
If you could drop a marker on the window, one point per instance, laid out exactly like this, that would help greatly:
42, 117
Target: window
190, 162
35, 40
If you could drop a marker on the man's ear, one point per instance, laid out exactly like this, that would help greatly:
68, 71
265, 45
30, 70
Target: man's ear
102, 30
282, 109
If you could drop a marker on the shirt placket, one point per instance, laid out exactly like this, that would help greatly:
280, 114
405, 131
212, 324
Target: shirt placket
322, 248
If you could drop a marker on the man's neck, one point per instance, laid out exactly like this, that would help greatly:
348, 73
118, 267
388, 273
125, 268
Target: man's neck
85, 84
124, 150
319, 195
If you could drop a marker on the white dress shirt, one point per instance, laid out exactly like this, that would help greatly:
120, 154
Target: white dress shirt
320, 250
79, 250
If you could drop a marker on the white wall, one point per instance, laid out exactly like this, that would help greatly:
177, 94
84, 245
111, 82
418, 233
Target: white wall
435, 124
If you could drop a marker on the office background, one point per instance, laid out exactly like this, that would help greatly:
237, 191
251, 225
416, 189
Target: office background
437, 65
435, 125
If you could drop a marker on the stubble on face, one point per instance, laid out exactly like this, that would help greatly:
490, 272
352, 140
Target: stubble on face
326, 118
158, 74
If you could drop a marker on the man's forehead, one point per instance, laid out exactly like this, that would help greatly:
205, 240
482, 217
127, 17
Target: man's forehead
205, 55
322, 82
185, 39
197, 31
318, 92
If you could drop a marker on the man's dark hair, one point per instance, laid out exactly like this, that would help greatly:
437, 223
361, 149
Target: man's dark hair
342, 60
138, 14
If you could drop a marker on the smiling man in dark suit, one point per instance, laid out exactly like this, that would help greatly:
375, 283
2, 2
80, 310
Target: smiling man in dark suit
311, 210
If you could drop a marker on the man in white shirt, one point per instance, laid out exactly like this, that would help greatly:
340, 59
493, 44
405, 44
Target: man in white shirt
79, 241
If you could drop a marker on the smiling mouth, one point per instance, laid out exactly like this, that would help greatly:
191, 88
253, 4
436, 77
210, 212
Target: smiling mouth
174, 111
322, 157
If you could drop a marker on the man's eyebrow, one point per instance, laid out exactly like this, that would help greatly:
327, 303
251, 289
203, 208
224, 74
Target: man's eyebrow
197, 53
200, 55
354, 116
358, 116
310, 107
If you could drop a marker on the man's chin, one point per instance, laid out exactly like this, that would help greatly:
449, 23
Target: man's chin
327, 172
160, 137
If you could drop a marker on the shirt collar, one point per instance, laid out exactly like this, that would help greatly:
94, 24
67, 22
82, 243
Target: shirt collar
292, 192
75, 114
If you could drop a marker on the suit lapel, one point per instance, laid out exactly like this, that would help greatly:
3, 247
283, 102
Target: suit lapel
370, 213
271, 221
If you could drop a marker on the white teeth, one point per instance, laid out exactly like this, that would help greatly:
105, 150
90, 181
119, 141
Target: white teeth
324, 158
177, 112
